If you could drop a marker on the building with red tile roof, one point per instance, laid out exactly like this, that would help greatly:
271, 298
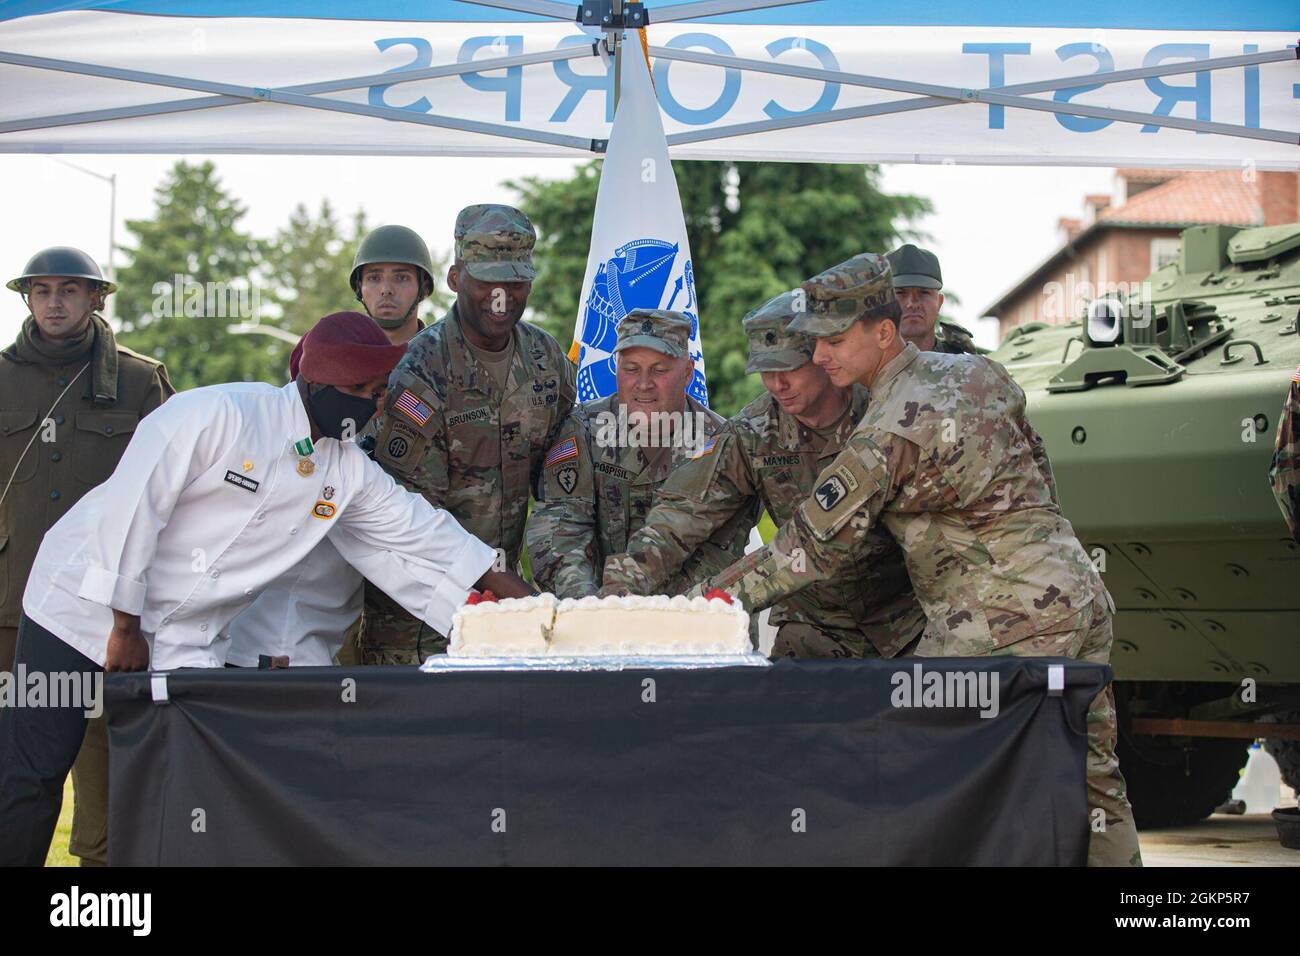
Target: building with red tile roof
1120, 240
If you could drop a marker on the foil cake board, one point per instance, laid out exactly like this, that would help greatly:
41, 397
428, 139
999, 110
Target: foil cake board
443, 664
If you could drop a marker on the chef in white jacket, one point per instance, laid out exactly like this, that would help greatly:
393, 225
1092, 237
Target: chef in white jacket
220, 492
302, 617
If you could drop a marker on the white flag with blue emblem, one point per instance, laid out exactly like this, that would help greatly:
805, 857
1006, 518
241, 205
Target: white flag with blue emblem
640, 257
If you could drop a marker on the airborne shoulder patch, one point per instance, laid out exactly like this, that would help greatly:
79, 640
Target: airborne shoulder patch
841, 492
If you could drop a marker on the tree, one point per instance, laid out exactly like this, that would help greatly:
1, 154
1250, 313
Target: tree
308, 264
192, 273
755, 229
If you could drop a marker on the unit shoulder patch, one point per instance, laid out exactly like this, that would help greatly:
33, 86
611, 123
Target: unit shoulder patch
840, 492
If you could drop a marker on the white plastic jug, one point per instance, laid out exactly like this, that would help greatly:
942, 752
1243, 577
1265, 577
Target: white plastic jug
1261, 782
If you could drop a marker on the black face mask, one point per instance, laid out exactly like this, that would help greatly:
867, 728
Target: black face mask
334, 411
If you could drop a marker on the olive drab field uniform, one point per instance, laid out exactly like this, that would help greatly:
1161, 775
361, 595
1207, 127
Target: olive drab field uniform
916, 268
56, 451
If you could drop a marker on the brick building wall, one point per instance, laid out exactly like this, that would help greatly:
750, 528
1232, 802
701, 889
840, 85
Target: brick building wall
1112, 260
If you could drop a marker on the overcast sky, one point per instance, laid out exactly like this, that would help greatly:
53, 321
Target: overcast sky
989, 227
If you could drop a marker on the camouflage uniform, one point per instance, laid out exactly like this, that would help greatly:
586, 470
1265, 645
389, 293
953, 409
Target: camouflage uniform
953, 339
767, 459
1284, 471
449, 433
945, 459
597, 490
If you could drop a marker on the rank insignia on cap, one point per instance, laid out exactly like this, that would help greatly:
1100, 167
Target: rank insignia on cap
323, 509
563, 452
647, 327
410, 405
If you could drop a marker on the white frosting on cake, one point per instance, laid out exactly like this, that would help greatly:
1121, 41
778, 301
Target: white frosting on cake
513, 627
600, 627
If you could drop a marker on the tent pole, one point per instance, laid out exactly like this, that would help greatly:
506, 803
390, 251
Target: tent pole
938, 95
1289, 137
257, 94
229, 99
1287, 54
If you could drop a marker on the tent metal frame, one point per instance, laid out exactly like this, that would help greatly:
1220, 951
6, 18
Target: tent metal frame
925, 95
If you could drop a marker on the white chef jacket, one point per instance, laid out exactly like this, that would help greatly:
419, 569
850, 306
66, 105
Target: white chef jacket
304, 614
207, 507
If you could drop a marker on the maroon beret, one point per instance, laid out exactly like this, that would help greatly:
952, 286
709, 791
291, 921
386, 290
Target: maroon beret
295, 360
346, 348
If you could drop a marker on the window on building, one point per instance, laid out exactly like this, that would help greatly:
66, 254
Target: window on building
1164, 251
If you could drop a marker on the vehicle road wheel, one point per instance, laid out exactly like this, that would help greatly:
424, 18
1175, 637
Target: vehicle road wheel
1177, 781
1286, 752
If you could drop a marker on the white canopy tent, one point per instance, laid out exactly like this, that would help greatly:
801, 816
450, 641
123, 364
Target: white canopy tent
1187, 83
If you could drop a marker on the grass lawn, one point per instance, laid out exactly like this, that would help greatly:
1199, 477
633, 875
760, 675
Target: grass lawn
59, 855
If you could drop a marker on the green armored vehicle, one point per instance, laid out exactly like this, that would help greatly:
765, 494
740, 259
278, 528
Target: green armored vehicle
1159, 412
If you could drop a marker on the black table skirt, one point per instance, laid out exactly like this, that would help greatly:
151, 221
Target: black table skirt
801, 763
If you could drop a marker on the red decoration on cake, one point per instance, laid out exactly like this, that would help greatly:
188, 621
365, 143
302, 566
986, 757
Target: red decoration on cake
718, 594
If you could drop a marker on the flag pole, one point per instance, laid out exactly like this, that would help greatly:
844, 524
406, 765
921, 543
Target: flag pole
616, 37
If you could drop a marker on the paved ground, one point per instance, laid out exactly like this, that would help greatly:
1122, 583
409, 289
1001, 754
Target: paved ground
1221, 840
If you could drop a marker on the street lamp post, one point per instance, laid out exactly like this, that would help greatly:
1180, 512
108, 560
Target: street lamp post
112, 226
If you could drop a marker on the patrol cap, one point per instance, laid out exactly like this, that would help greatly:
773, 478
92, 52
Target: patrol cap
836, 298
915, 268
496, 243
391, 243
773, 347
658, 329
61, 261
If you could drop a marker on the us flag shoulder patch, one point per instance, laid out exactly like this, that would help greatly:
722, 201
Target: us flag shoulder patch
410, 405
1296, 376
707, 447
563, 452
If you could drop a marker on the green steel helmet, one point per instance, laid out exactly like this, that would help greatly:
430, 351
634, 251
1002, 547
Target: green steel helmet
61, 261
392, 244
